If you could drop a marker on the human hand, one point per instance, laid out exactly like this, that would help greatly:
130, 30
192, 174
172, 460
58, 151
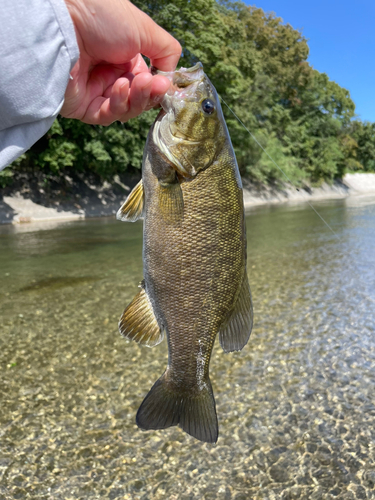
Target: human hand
111, 80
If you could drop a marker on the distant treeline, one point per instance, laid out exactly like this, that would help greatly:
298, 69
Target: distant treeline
303, 120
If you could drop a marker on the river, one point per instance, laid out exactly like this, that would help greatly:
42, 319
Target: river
296, 407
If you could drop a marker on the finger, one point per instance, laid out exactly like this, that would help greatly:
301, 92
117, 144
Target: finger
158, 45
156, 96
101, 80
145, 94
118, 102
126, 105
139, 95
134, 67
167, 59
128, 97
160, 86
129, 77
139, 65
99, 112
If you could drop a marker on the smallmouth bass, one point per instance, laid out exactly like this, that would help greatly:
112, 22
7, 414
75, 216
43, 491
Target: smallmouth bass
194, 254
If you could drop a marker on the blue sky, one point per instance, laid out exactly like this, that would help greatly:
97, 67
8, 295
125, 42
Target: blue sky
341, 40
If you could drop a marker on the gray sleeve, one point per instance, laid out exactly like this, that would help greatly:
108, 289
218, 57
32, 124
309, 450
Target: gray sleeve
38, 49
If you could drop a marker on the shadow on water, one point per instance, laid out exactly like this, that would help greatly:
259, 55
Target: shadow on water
7, 212
295, 407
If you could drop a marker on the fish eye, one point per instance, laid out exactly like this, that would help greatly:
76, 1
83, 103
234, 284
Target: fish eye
208, 106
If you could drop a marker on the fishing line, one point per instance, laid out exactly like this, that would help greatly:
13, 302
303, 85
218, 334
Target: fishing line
286, 176
281, 170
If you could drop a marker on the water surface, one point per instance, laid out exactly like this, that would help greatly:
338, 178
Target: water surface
296, 407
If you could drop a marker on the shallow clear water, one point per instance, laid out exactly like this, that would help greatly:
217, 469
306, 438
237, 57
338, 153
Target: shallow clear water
296, 407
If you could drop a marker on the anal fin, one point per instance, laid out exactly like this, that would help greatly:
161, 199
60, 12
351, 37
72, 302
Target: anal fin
132, 209
138, 321
235, 332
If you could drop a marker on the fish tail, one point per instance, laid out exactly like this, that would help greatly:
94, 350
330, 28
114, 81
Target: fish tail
195, 413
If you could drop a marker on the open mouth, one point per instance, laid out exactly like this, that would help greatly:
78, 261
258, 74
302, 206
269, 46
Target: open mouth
183, 81
186, 76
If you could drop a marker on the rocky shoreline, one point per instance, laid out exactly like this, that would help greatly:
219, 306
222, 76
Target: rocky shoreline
33, 199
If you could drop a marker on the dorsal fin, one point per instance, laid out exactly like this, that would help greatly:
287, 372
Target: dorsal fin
132, 209
138, 321
235, 332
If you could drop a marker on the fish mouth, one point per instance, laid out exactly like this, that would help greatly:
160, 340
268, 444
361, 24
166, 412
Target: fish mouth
182, 77
184, 83
183, 89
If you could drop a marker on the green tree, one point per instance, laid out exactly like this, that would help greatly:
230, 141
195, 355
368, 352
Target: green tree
364, 134
259, 67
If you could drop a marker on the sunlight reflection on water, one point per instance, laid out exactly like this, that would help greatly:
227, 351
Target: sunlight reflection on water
295, 407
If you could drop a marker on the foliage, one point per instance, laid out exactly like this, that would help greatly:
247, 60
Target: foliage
6, 177
259, 67
102, 150
364, 136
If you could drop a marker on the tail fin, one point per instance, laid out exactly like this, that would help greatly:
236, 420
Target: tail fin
196, 414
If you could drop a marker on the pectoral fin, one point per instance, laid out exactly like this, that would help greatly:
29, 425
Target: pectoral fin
236, 331
132, 209
138, 321
171, 202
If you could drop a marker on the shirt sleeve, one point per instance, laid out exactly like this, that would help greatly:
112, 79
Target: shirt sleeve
38, 49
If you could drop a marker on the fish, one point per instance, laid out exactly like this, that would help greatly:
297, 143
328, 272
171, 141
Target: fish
195, 284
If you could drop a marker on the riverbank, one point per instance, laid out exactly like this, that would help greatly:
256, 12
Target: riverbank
35, 199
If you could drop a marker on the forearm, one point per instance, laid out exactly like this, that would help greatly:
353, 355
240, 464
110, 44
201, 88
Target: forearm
38, 49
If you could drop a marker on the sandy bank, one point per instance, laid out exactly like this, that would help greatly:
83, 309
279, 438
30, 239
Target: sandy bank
79, 198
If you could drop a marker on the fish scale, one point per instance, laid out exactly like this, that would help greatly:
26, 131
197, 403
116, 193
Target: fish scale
194, 252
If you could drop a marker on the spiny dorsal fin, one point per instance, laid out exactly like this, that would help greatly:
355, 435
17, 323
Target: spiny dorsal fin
171, 202
138, 321
132, 209
236, 331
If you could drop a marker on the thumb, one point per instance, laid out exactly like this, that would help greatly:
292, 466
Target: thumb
158, 45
